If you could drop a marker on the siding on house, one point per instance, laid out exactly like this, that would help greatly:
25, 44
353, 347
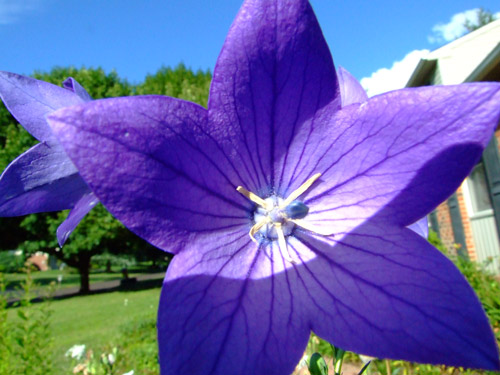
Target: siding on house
436, 76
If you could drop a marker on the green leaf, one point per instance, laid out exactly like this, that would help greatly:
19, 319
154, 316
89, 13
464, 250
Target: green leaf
317, 365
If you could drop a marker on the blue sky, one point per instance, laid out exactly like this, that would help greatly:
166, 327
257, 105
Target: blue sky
137, 37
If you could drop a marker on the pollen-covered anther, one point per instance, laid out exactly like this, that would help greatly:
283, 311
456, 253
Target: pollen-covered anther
275, 217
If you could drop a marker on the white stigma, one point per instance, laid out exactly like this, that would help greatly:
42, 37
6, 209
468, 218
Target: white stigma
272, 221
272, 215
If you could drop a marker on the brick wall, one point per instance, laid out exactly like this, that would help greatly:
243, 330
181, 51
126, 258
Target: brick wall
469, 240
445, 228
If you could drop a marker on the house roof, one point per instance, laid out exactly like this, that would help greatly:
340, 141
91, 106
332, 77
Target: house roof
469, 58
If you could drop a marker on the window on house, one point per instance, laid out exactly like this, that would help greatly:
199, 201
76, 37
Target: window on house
478, 187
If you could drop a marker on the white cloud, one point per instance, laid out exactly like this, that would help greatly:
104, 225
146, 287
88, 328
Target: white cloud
446, 32
12, 10
394, 78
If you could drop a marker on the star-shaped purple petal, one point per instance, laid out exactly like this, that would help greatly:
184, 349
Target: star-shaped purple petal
279, 125
43, 178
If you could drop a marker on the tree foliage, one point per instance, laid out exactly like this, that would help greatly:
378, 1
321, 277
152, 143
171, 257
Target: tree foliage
483, 18
180, 82
97, 83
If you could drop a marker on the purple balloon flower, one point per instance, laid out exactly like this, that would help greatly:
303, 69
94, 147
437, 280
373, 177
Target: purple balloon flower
43, 178
287, 208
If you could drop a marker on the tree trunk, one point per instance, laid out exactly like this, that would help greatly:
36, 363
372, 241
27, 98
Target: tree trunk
84, 270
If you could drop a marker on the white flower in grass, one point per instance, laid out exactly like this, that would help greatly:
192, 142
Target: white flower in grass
131, 372
76, 351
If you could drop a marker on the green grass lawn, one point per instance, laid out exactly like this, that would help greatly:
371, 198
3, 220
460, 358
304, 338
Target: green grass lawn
93, 320
96, 320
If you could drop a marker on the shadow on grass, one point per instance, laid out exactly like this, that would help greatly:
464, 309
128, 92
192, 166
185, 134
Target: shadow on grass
68, 280
44, 279
125, 285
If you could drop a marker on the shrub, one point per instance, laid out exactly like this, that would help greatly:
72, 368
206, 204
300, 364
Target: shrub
138, 340
25, 340
11, 262
106, 261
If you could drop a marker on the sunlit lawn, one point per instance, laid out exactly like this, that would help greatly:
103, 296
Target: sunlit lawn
95, 320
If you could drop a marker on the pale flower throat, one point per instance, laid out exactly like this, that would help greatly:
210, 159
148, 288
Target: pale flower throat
276, 217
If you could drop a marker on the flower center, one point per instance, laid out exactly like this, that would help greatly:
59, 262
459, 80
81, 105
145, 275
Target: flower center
275, 217
271, 215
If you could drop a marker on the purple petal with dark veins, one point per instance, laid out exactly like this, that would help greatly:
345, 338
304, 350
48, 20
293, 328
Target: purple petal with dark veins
72, 85
386, 292
420, 227
40, 180
274, 72
217, 314
82, 208
158, 169
351, 91
30, 100
227, 307
414, 144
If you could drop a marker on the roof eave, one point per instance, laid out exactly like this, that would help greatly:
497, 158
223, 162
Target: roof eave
489, 62
421, 72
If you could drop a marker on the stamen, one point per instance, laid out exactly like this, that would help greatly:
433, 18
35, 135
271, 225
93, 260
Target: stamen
280, 216
311, 228
282, 243
301, 190
253, 197
257, 226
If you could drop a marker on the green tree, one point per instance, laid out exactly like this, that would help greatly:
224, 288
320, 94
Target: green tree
484, 17
180, 82
97, 83
94, 235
